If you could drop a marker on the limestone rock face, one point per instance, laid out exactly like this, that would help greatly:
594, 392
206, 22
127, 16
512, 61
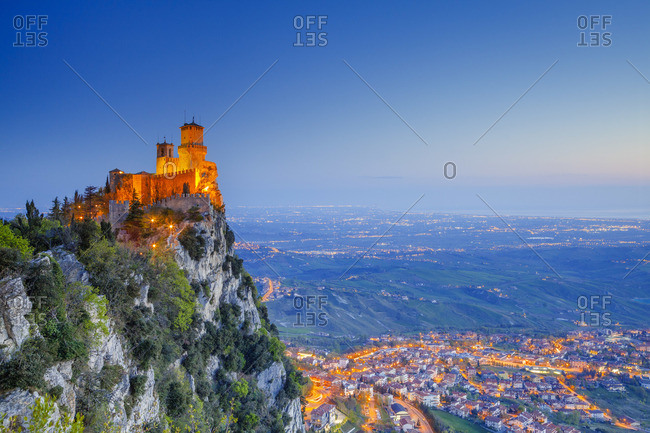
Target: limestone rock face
61, 375
109, 350
271, 381
296, 425
73, 270
209, 270
18, 404
147, 407
212, 366
143, 299
14, 306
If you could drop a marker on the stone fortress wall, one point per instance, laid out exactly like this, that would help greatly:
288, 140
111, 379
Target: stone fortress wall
118, 210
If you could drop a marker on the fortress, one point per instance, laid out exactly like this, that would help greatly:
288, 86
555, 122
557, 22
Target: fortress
176, 178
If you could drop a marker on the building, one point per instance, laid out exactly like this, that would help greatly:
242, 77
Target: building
494, 423
397, 411
427, 398
186, 174
322, 417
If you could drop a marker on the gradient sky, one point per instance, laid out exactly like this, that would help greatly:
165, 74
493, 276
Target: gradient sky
310, 131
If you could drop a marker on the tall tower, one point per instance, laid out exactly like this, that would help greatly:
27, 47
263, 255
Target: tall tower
165, 161
191, 152
191, 133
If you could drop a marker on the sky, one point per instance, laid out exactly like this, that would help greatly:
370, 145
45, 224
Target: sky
400, 90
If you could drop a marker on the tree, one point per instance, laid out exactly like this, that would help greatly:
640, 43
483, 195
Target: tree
90, 195
67, 210
134, 222
56, 213
34, 217
186, 188
107, 231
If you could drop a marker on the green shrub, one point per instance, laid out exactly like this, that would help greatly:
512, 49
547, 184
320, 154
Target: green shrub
235, 264
44, 282
147, 351
192, 242
110, 376
193, 214
230, 238
27, 367
55, 391
11, 261
61, 339
178, 400
8, 239
137, 384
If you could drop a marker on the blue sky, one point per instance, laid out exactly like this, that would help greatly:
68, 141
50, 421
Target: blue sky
310, 131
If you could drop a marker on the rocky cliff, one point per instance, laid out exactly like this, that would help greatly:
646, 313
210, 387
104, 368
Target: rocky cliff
150, 363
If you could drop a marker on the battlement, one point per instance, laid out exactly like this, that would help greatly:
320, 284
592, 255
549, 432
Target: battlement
193, 146
117, 211
171, 174
118, 203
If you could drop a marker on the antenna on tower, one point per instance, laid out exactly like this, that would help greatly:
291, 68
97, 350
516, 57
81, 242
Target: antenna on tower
184, 116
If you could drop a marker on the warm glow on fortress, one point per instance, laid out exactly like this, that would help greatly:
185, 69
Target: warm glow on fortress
189, 173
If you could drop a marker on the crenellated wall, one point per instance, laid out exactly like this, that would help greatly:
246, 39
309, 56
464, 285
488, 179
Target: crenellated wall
117, 212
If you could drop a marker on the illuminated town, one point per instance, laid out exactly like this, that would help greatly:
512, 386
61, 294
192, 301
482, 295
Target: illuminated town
498, 382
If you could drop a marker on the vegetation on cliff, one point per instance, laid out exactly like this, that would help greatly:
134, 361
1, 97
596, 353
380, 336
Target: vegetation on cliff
161, 329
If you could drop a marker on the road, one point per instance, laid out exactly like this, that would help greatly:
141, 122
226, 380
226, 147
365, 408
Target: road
416, 415
316, 397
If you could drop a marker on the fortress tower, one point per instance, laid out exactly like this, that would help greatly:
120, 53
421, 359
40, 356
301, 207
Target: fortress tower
165, 161
188, 173
191, 152
191, 133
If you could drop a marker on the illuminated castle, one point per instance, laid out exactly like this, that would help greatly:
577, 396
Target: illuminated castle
189, 173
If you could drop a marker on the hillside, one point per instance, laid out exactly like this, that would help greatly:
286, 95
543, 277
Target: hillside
438, 271
154, 334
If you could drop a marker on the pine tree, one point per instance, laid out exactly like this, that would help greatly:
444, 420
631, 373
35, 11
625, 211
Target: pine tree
90, 194
107, 187
134, 221
55, 213
34, 218
67, 210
